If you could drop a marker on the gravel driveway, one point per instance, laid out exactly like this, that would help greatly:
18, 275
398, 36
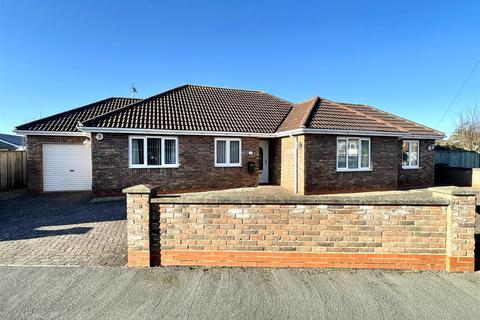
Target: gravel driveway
221, 293
62, 229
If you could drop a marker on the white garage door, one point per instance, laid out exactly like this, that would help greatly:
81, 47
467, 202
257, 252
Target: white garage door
67, 167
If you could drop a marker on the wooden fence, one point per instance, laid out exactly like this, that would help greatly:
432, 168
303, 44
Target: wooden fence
457, 159
13, 173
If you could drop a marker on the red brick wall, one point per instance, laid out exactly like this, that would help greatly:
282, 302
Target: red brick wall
35, 157
422, 177
321, 174
196, 172
275, 159
424, 234
380, 229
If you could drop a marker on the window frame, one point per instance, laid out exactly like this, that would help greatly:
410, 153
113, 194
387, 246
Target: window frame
360, 139
417, 166
145, 152
227, 151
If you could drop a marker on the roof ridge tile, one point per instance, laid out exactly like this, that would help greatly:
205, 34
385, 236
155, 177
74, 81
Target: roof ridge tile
225, 88
310, 108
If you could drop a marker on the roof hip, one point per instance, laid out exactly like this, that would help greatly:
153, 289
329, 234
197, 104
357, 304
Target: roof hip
366, 115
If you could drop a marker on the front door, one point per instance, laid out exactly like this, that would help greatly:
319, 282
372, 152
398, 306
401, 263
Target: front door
263, 161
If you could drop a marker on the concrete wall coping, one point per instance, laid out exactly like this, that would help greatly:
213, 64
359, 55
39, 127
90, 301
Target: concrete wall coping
333, 200
454, 191
141, 188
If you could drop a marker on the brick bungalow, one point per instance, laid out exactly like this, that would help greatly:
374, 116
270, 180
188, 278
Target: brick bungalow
195, 138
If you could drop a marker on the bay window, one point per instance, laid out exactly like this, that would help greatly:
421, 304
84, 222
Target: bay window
153, 152
228, 152
410, 154
353, 154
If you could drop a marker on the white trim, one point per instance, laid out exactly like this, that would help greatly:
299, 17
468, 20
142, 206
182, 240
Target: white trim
410, 142
258, 135
227, 152
355, 133
411, 168
369, 168
145, 153
52, 133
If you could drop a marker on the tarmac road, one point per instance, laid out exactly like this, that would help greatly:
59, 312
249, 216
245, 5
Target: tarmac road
223, 293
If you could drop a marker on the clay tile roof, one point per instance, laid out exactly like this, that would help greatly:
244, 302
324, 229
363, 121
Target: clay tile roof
401, 123
201, 108
320, 113
298, 117
68, 121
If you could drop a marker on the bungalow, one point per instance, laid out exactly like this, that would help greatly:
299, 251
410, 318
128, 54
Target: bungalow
195, 138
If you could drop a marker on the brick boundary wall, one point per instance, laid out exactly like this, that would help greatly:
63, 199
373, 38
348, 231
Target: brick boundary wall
429, 234
139, 250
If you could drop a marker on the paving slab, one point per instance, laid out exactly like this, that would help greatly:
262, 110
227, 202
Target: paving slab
62, 229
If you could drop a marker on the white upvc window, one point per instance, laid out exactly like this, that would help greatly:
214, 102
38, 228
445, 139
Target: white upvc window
228, 152
353, 154
411, 154
152, 152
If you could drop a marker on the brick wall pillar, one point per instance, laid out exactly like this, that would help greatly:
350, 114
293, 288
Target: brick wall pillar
138, 225
460, 246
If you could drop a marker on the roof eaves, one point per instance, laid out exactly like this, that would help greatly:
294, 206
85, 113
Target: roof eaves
401, 118
61, 114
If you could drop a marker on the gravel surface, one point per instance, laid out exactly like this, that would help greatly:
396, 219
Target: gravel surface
182, 293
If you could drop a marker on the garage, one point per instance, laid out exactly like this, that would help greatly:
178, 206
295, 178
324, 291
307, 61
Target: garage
67, 167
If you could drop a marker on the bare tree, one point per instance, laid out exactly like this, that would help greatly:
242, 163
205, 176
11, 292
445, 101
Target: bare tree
467, 133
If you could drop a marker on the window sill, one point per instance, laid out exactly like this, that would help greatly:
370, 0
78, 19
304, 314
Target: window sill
228, 165
354, 170
155, 167
411, 168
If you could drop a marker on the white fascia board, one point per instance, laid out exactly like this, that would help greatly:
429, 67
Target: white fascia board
51, 133
258, 135
354, 133
424, 137
339, 132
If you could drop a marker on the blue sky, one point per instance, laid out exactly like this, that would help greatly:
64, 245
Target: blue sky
406, 57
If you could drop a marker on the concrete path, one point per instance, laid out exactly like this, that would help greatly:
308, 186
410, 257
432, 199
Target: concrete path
171, 293
62, 229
